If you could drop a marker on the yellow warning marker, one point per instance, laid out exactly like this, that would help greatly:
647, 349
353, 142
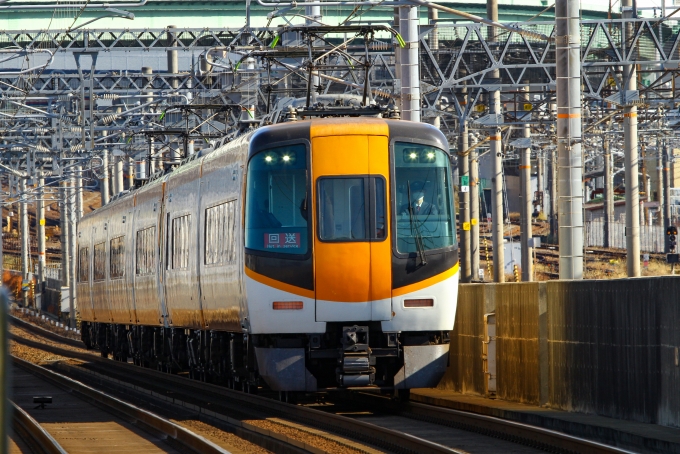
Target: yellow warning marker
466, 226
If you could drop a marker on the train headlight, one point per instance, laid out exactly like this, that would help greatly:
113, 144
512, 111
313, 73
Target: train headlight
430, 156
268, 159
413, 156
286, 158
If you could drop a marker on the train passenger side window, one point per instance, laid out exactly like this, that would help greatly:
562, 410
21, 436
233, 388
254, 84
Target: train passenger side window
180, 242
144, 251
117, 269
84, 264
99, 262
220, 233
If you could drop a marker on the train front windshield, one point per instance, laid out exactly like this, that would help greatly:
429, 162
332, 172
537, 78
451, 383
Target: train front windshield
276, 201
424, 198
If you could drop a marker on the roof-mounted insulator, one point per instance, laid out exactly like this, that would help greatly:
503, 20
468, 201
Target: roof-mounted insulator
292, 114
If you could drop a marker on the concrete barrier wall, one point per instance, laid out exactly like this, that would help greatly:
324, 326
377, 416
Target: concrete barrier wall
465, 373
517, 342
608, 347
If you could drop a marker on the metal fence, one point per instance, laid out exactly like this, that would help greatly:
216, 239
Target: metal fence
651, 236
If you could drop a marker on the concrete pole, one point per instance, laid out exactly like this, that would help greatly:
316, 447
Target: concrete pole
570, 166
104, 180
173, 65
148, 78
608, 195
496, 155
492, 13
152, 158
464, 206
554, 230
131, 172
659, 182
630, 151
72, 223
63, 222
433, 16
397, 54
667, 220
25, 235
540, 179
525, 227
314, 15
118, 175
40, 229
497, 193
474, 209
79, 191
410, 63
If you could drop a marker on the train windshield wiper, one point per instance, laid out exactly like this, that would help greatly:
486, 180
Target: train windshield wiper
415, 228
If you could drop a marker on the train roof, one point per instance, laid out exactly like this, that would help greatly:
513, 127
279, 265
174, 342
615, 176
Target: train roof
263, 138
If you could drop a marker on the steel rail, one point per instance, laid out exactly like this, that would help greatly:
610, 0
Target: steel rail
386, 438
33, 433
170, 429
497, 427
505, 429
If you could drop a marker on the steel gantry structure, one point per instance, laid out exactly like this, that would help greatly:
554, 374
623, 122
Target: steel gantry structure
496, 85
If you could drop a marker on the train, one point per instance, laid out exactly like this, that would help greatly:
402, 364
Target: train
310, 255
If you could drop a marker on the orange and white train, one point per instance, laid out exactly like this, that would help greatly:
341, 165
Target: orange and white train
305, 256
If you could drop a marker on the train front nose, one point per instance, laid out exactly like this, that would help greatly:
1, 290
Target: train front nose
352, 258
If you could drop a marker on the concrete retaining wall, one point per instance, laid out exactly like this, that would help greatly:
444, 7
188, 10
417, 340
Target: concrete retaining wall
608, 347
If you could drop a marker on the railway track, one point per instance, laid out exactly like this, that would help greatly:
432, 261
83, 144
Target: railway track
79, 408
380, 422
32, 434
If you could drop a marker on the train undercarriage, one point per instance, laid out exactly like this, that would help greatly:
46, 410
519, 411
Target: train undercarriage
346, 356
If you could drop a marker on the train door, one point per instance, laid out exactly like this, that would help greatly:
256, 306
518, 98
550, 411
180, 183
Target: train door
352, 256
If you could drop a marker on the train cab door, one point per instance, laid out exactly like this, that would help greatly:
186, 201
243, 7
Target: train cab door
352, 255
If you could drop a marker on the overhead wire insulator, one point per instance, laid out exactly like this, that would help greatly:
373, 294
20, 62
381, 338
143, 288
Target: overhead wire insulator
109, 96
109, 118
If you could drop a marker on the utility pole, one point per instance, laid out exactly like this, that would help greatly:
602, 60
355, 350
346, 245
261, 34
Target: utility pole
568, 72
25, 237
474, 209
433, 16
608, 196
667, 220
79, 191
525, 227
64, 223
554, 234
496, 154
410, 63
40, 230
72, 222
464, 203
659, 180
540, 179
104, 181
630, 152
